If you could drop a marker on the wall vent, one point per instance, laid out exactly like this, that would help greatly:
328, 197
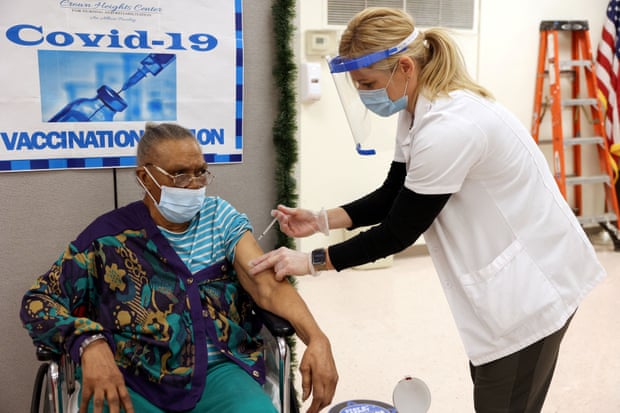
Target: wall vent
454, 14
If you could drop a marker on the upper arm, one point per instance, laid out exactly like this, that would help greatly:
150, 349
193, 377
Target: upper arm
261, 286
278, 297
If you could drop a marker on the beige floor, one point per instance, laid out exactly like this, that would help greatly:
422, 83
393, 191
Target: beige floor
388, 323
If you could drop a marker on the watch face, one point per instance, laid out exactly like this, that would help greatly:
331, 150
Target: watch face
318, 256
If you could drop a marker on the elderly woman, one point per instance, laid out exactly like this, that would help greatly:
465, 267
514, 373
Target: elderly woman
154, 301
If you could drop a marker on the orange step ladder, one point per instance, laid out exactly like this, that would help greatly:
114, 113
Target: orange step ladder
567, 76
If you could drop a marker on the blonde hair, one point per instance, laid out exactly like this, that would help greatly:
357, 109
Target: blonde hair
439, 60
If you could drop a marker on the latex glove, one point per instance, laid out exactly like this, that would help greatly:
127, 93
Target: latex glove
298, 222
102, 380
318, 374
284, 262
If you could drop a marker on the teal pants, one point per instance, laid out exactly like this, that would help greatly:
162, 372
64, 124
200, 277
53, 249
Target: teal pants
229, 389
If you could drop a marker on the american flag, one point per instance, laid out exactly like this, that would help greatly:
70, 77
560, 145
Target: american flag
608, 75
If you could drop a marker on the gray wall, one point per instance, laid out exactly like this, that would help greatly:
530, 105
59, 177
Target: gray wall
42, 211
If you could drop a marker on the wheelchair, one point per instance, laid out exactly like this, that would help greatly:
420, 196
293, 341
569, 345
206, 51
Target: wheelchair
55, 388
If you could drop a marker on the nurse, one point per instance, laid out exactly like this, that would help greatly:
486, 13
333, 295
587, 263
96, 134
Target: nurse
512, 258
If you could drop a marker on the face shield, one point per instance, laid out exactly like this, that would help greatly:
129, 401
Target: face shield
358, 116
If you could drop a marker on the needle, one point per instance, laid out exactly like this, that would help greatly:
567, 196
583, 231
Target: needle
271, 224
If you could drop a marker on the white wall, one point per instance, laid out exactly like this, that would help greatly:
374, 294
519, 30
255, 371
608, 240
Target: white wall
501, 53
509, 44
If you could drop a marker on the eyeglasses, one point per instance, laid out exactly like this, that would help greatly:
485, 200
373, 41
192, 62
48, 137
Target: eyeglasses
203, 177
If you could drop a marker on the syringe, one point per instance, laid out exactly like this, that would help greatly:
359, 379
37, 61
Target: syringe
267, 229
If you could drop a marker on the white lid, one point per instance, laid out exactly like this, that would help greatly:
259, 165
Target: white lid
411, 395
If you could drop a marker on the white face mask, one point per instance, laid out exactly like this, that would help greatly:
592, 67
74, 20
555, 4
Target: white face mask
177, 205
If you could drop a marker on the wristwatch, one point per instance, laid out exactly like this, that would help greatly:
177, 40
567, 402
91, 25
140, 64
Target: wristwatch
319, 259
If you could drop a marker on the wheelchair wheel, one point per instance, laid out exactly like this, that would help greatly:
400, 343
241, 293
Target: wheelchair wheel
39, 392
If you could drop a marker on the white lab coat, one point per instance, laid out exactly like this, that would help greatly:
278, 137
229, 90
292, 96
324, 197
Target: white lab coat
512, 257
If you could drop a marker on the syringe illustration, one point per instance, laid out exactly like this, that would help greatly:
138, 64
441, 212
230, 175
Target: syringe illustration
107, 102
153, 63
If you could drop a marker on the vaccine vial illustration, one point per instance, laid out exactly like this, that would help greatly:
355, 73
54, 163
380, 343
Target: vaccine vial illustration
107, 102
101, 108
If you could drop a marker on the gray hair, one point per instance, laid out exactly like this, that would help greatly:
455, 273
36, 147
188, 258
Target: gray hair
157, 133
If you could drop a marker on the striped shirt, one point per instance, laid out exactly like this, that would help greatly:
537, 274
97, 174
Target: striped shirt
203, 243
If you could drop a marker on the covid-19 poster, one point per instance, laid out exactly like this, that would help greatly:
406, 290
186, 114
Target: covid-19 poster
81, 78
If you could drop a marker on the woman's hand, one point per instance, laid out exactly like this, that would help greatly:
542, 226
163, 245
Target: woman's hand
318, 374
298, 222
283, 261
102, 381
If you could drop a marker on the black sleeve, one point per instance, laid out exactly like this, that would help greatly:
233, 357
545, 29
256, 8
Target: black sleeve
410, 215
374, 207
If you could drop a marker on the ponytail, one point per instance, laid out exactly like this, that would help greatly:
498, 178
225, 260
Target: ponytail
443, 67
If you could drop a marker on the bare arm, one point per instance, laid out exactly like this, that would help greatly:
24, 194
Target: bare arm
318, 369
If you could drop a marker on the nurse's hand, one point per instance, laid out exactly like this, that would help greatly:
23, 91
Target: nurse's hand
298, 222
284, 262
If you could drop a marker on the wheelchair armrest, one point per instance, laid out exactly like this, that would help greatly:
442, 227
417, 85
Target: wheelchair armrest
277, 326
46, 354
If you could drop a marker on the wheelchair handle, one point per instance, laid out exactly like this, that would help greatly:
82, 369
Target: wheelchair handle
46, 354
277, 326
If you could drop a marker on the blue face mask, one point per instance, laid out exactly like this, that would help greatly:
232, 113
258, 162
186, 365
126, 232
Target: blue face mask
380, 103
177, 205
180, 205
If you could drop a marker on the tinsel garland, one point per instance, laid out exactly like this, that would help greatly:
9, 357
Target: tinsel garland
285, 125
